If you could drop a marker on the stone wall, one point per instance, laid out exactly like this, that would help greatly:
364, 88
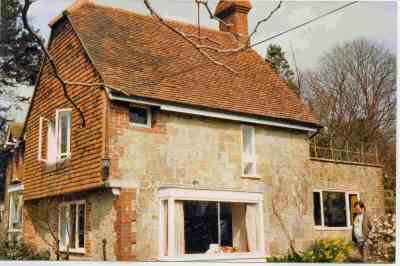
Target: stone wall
100, 217
204, 153
366, 180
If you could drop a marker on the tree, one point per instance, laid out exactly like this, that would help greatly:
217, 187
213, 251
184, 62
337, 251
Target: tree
279, 63
353, 91
20, 57
20, 53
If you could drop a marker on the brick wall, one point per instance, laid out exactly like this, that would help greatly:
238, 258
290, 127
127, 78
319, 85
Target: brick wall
83, 170
125, 225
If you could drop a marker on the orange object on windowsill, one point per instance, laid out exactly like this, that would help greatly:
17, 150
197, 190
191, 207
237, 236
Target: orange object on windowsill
228, 249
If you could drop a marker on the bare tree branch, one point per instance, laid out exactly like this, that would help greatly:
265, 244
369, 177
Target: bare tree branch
264, 20
241, 46
185, 37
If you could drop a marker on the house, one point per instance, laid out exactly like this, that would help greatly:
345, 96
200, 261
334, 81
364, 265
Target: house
13, 156
180, 159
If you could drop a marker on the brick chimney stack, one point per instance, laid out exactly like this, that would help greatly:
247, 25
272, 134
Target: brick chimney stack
234, 12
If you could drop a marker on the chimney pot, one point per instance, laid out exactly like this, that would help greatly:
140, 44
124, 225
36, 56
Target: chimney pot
234, 12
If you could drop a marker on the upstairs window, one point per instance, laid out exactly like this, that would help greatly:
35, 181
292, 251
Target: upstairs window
55, 137
248, 152
140, 116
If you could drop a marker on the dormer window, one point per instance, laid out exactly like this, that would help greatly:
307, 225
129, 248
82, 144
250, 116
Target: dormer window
140, 116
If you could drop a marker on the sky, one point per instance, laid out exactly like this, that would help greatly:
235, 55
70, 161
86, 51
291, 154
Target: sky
375, 21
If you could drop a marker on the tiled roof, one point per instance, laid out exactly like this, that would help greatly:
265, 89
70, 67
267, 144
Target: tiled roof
140, 57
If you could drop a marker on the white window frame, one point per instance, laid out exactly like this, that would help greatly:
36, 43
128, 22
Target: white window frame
249, 158
11, 202
66, 155
68, 205
41, 121
172, 194
149, 116
348, 210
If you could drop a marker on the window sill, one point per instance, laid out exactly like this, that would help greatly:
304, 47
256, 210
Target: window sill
242, 257
325, 228
74, 251
140, 125
14, 231
256, 177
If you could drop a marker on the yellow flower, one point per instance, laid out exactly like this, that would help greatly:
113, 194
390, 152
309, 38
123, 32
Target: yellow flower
327, 254
340, 257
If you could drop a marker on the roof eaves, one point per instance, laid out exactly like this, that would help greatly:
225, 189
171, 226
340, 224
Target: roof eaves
216, 113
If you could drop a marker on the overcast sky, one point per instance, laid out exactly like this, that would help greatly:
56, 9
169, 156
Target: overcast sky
373, 20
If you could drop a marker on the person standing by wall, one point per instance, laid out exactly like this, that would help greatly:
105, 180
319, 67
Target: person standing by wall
361, 227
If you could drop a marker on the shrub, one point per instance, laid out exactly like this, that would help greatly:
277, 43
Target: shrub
327, 250
20, 251
381, 242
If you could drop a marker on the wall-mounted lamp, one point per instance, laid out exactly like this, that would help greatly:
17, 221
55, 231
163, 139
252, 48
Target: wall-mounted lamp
106, 168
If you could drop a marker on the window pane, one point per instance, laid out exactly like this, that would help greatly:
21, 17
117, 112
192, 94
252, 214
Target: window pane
64, 133
72, 228
334, 209
248, 140
65, 125
201, 226
138, 115
317, 208
249, 169
63, 226
226, 224
352, 199
240, 227
16, 210
81, 225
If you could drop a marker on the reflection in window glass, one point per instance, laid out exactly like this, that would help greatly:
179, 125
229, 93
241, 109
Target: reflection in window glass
138, 115
317, 208
334, 209
352, 200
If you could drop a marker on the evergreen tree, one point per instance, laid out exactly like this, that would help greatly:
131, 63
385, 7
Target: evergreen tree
20, 54
20, 58
276, 57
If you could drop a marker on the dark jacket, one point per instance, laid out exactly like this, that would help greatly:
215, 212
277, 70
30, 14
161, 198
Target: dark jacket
366, 227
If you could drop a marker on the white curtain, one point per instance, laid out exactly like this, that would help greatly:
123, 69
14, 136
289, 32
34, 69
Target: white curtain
251, 227
239, 226
179, 228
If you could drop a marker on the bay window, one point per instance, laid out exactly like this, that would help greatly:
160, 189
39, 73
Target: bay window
334, 209
202, 223
72, 226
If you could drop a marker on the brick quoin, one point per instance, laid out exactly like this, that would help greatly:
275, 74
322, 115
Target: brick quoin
124, 225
